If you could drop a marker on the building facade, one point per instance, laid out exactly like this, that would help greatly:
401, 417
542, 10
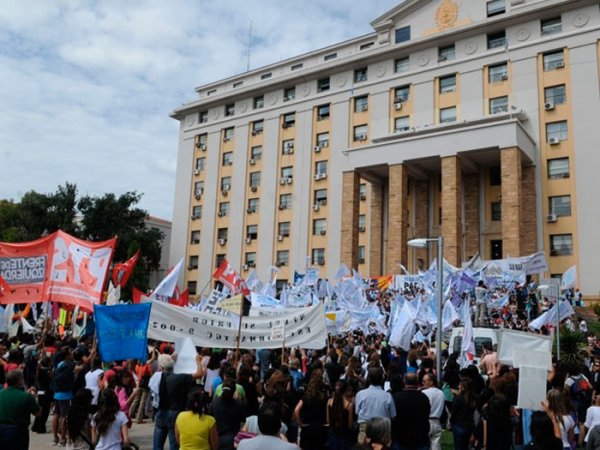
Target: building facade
164, 226
470, 118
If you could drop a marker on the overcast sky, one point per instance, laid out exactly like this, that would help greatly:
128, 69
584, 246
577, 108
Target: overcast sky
86, 87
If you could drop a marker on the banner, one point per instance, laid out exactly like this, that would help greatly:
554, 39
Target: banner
304, 327
57, 268
123, 331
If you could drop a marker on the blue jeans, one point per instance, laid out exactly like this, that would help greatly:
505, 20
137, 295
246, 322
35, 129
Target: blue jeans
14, 437
164, 425
462, 436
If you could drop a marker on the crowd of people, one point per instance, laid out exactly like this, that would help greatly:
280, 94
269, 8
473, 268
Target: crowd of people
356, 393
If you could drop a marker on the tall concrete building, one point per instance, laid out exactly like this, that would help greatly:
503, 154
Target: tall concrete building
475, 119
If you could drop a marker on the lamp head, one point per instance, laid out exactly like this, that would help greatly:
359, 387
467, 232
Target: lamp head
419, 243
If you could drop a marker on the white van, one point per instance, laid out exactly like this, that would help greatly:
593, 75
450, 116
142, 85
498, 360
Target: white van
481, 336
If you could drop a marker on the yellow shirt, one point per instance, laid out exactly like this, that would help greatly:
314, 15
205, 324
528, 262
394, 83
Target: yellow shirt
194, 430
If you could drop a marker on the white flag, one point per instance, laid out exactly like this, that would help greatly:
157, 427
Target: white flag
569, 278
165, 289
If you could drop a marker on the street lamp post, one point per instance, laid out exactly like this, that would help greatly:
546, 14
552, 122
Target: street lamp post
423, 243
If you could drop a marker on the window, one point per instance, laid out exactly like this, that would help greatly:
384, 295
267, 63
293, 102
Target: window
319, 226
283, 229
402, 34
237, 84
555, 95
197, 212
362, 222
192, 287
222, 233
201, 140
321, 168
402, 65
289, 120
323, 140
254, 179
362, 191
229, 110
203, 117
195, 237
447, 52
253, 205
360, 132
401, 124
289, 94
228, 134
401, 94
366, 46
323, 112
258, 126
252, 231
495, 176
561, 244
219, 259
297, 66
227, 158
448, 115
496, 40
280, 284
318, 256
361, 254
285, 201
554, 60
556, 130
287, 172
224, 209
287, 147
259, 102
256, 153
323, 84
330, 57
250, 259
198, 188
360, 75
551, 26
496, 211
499, 105
361, 103
448, 84
560, 205
495, 7
321, 197
193, 263
498, 73
266, 76
558, 168
200, 164
283, 257
211, 92
225, 183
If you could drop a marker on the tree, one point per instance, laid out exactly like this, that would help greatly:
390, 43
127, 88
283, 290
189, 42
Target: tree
108, 216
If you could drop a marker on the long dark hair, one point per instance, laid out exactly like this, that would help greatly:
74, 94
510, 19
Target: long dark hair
197, 401
315, 391
337, 410
107, 411
78, 413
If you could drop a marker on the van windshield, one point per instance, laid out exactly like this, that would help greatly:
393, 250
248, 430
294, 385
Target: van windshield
480, 342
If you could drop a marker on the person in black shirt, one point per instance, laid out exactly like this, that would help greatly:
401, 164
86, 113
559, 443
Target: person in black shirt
410, 427
229, 414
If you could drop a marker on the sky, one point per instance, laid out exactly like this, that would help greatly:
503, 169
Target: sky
86, 87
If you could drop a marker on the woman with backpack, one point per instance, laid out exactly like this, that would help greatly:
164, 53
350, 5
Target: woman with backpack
109, 424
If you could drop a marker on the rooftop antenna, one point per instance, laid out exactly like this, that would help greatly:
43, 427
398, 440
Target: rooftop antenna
249, 46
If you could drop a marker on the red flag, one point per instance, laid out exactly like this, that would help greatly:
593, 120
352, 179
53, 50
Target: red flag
123, 271
180, 299
4, 287
136, 295
230, 278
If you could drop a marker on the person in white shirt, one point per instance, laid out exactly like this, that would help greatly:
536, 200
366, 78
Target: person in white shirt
592, 417
269, 425
582, 325
481, 293
437, 403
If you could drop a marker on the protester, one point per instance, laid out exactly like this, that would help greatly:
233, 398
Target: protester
109, 424
564, 425
195, 430
438, 410
311, 414
78, 426
340, 417
269, 424
16, 408
542, 433
373, 402
229, 414
463, 409
410, 427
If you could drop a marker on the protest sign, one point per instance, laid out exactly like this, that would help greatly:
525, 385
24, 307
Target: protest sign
186, 356
122, 330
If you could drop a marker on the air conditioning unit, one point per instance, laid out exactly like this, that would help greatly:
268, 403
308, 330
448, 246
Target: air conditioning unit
324, 144
321, 262
316, 207
224, 192
362, 137
245, 267
254, 188
323, 232
194, 217
251, 264
361, 229
197, 172
222, 242
226, 139
398, 106
280, 237
317, 176
317, 148
282, 180
250, 210
252, 162
190, 267
551, 218
198, 196
363, 197
203, 147
282, 207
549, 106
248, 240
284, 125
553, 141
289, 180
220, 214
361, 261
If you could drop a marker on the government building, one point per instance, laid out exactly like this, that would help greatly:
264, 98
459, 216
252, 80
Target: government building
477, 120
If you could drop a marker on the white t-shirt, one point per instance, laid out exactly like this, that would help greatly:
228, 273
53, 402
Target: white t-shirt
592, 418
565, 427
92, 382
111, 440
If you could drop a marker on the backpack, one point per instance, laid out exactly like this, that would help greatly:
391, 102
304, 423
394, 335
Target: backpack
581, 390
64, 378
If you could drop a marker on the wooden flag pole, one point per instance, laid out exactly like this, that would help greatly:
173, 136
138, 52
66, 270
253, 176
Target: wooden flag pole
239, 332
283, 347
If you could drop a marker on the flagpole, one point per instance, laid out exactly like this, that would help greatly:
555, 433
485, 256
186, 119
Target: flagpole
239, 332
205, 286
283, 347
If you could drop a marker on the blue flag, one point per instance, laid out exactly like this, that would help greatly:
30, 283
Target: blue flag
122, 331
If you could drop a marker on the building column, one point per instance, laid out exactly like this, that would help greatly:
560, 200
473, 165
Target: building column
350, 212
529, 211
512, 196
471, 196
421, 222
375, 230
397, 249
452, 209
